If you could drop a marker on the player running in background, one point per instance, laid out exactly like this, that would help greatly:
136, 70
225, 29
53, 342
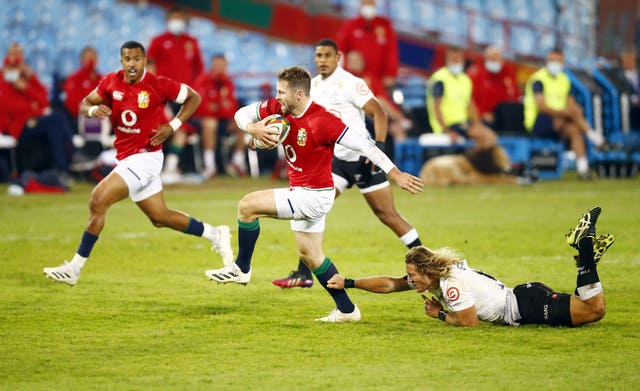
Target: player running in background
135, 100
308, 149
349, 98
471, 296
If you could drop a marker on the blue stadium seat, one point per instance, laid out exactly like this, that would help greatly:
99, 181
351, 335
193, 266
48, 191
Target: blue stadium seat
475, 5
453, 25
479, 30
546, 41
497, 8
426, 15
544, 12
401, 12
547, 157
517, 148
519, 11
523, 40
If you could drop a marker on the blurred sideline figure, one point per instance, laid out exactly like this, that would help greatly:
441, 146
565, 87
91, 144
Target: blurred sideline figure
373, 36
550, 111
176, 55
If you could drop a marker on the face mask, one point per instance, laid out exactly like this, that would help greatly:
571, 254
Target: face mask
456, 69
554, 67
368, 11
11, 75
493, 66
176, 26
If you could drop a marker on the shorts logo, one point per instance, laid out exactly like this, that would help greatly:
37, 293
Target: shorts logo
453, 294
302, 137
118, 95
143, 99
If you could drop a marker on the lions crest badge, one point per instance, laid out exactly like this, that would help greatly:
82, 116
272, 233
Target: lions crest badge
143, 99
302, 137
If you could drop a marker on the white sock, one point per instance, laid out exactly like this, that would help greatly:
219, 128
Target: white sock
588, 291
409, 237
596, 138
238, 159
209, 157
171, 162
78, 261
210, 233
582, 165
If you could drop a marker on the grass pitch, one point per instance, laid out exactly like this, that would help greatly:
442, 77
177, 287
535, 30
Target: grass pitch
144, 316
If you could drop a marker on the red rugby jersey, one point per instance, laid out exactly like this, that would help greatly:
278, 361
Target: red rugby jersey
137, 109
309, 146
176, 56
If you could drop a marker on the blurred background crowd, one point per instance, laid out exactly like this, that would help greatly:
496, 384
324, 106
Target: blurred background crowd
55, 52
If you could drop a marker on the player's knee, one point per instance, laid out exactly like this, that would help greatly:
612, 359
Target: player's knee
245, 209
598, 309
387, 217
159, 219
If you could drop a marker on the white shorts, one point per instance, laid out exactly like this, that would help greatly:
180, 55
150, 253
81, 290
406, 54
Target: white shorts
306, 208
141, 172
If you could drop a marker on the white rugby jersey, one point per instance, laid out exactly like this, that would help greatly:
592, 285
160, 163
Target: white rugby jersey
343, 95
466, 287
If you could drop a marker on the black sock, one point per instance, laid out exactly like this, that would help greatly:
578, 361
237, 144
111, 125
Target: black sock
304, 270
247, 237
587, 273
415, 243
323, 274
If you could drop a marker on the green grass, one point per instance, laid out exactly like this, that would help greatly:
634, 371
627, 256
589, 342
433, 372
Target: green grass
144, 316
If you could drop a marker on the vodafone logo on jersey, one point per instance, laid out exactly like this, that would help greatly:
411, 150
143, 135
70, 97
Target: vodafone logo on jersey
453, 294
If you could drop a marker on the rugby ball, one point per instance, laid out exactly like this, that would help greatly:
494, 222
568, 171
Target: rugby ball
278, 123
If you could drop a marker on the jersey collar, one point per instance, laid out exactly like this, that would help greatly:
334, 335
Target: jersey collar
305, 109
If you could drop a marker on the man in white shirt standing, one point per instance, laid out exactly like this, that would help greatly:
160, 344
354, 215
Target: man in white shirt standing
349, 98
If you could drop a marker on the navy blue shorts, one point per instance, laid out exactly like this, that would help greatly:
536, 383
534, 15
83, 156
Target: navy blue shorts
358, 173
461, 129
543, 128
539, 304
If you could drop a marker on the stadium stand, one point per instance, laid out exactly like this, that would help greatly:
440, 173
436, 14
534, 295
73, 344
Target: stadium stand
57, 31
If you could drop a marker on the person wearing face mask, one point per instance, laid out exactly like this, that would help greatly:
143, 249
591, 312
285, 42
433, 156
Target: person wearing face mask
550, 111
175, 54
29, 118
81, 82
373, 36
450, 107
215, 114
494, 82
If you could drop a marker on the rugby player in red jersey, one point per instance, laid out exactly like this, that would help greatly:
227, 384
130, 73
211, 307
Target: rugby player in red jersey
309, 151
135, 100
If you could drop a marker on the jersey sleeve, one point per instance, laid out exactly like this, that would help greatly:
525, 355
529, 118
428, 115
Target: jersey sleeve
537, 87
438, 89
171, 90
103, 89
269, 107
359, 93
331, 129
457, 294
